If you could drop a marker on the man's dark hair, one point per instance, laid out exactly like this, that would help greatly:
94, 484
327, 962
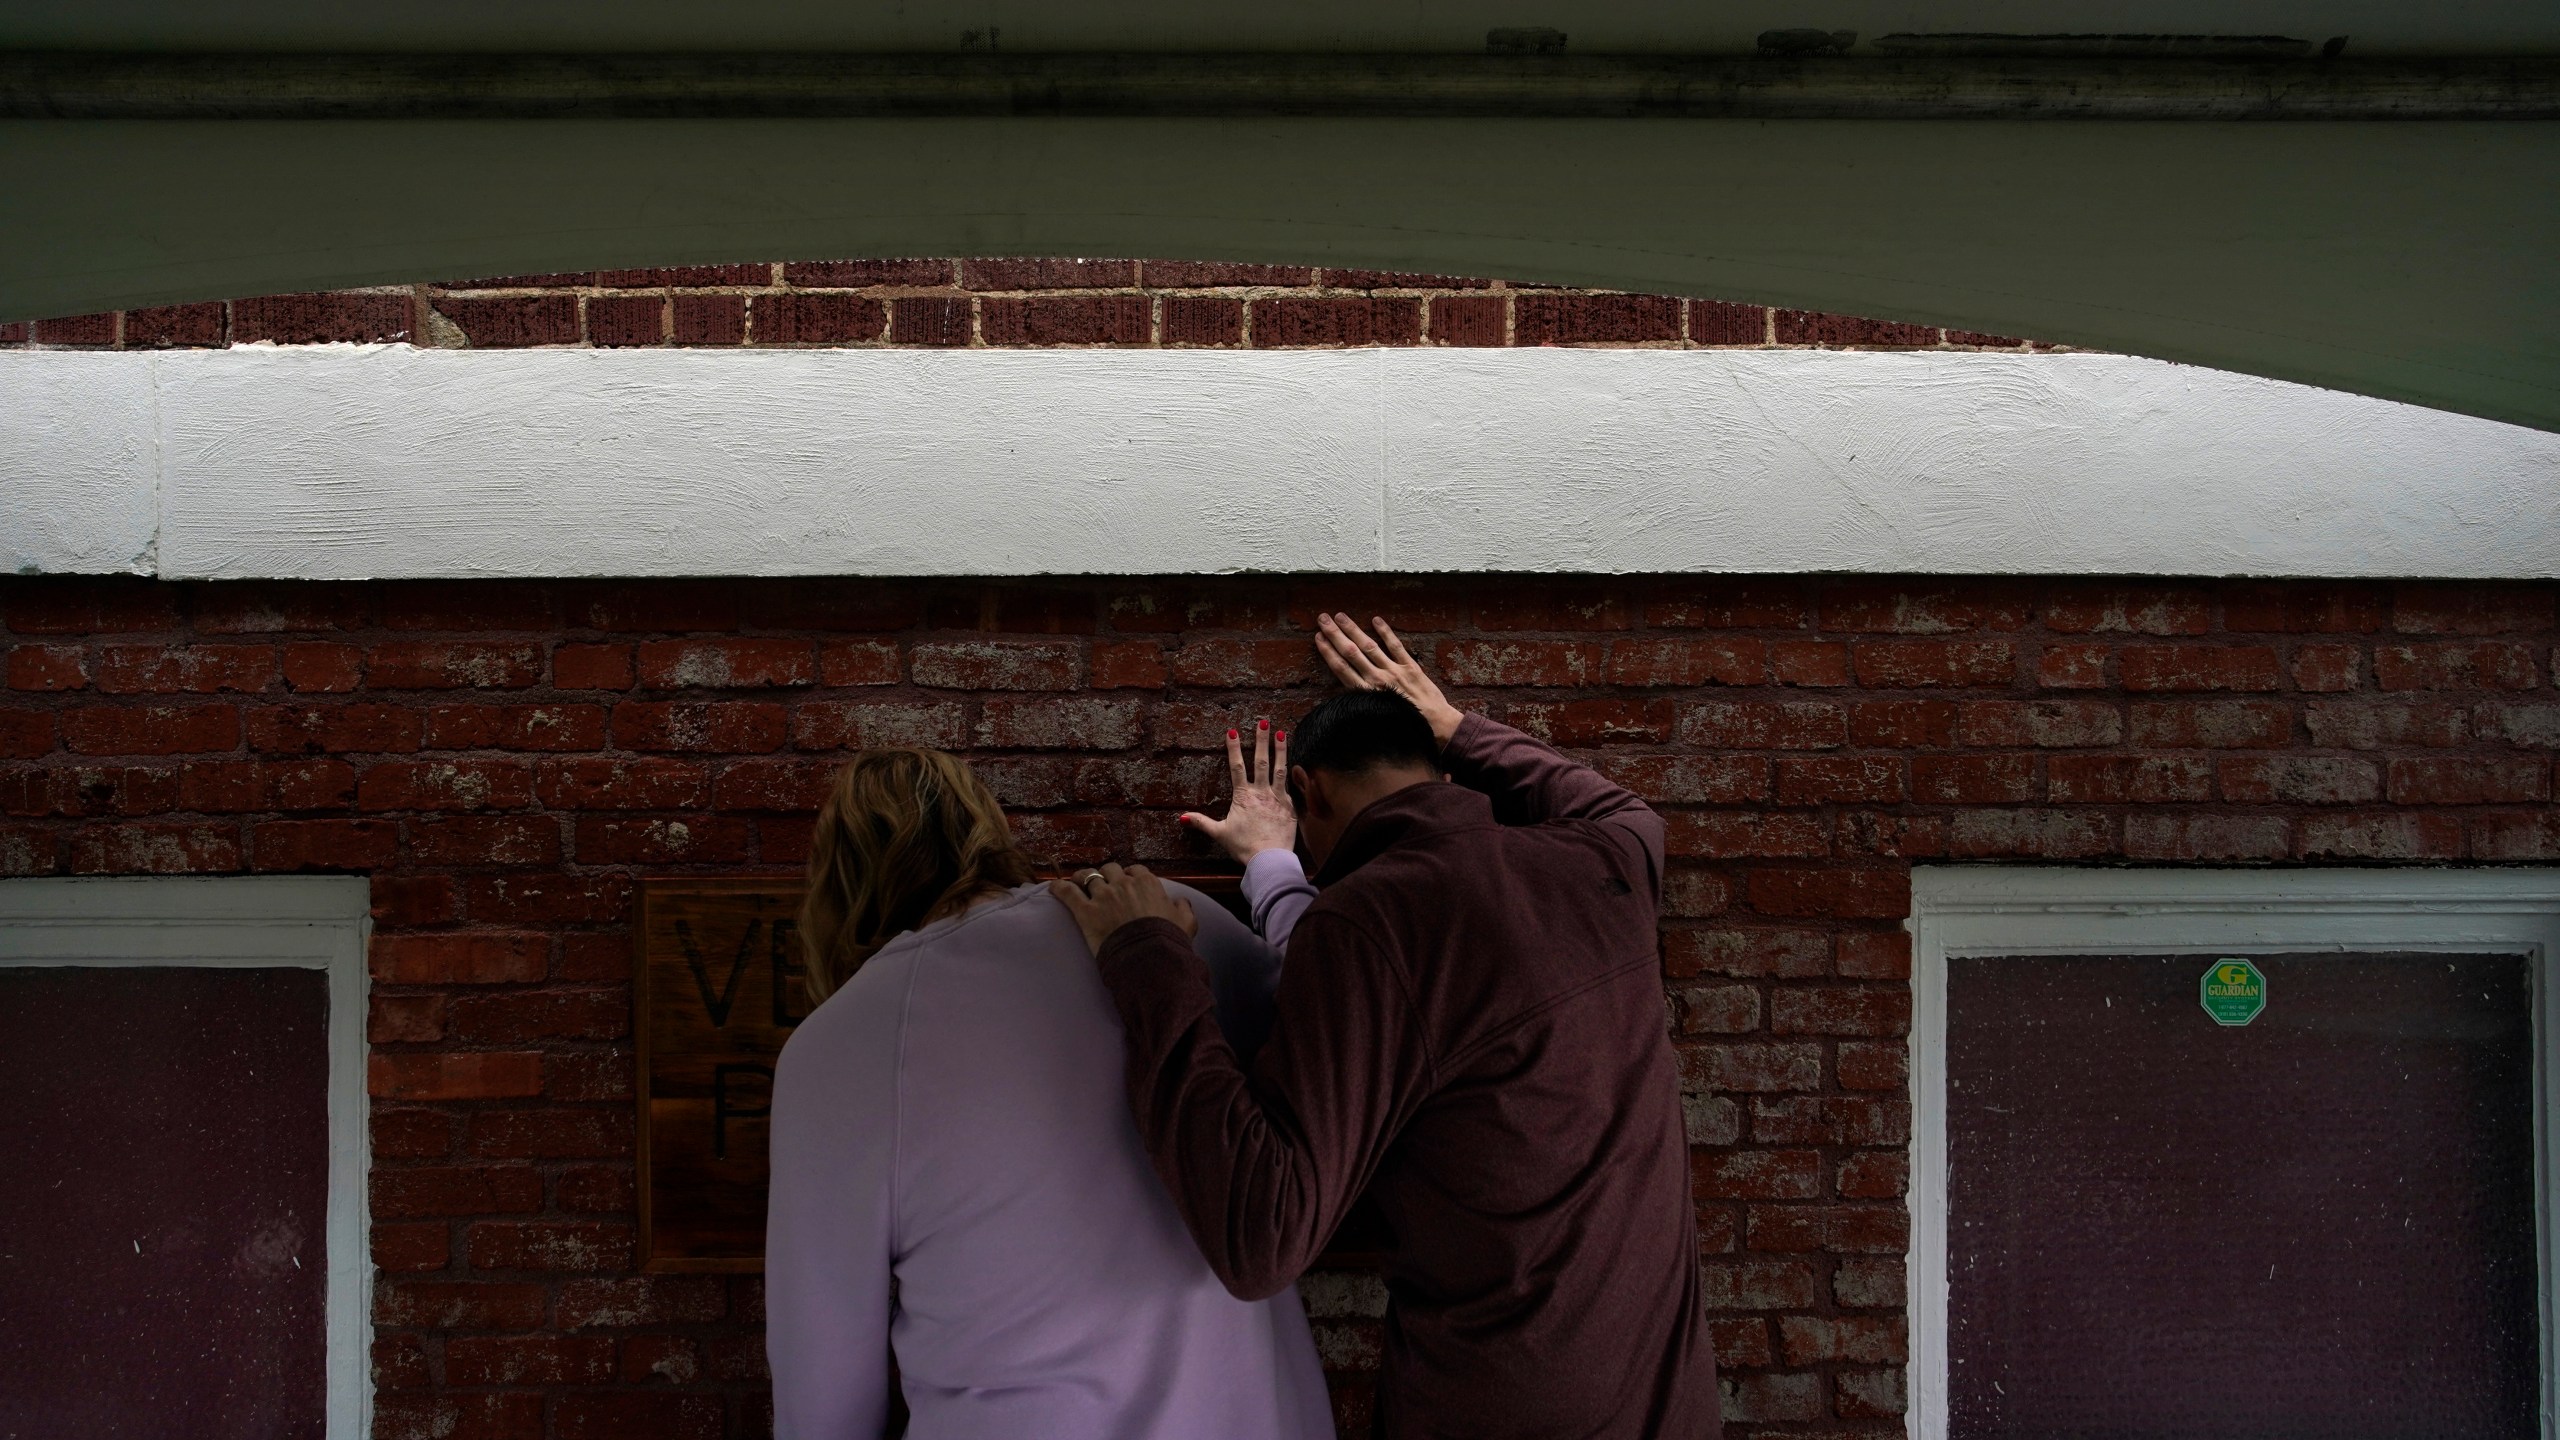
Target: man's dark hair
1359, 730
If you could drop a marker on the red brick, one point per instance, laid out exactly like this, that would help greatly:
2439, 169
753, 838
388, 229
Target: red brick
592, 667
1202, 320
485, 840
323, 844
670, 606
1974, 779
155, 669
1745, 954
1520, 662
405, 900
774, 785
2072, 667
321, 319
2328, 667
855, 274
1727, 835
1721, 322
574, 1245
1849, 1339
597, 1190
2531, 836
2299, 780
1059, 724
2045, 724
2156, 836
710, 320
1740, 1342
1810, 662
1047, 274
416, 1192
1866, 1065
616, 783
998, 665
858, 662
512, 321
834, 725
94, 329
1831, 894
1814, 327
463, 1304
2041, 834
1839, 777
1398, 280
2298, 609
151, 730
1335, 321
930, 320
1839, 1010
1691, 779
1870, 1395
1830, 1120
334, 729
588, 1076
636, 1415
603, 956
2386, 836
447, 665
491, 1415
1840, 1229
483, 1360
1199, 274
1906, 664
627, 1301
818, 319
47, 667
1722, 661
88, 606
2199, 667
1564, 604
1882, 607
1761, 1068
321, 667
2111, 610
1566, 319
1718, 1009
1765, 725
555, 1133
411, 1134
620, 320
1067, 320
515, 727
2473, 609
446, 785
1243, 664
1756, 1397
2475, 665
1756, 1175
2469, 781
726, 664
140, 849
411, 1247
164, 327
2113, 779
2212, 725
1597, 722
439, 959
718, 840
2535, 726
1903, 724
1127, 665
455, 1076
1711, 605
13, 332
1470, 320
405, 1019
1759, 1285
1874, 955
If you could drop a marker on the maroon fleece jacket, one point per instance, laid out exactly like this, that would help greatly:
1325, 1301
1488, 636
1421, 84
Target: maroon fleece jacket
1470, 1029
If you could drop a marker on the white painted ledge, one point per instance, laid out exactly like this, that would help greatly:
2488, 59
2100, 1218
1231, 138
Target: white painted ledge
361, 462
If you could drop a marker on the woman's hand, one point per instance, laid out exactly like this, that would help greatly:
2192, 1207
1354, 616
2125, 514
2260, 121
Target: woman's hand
1259, 815
1384, 664
1103, 900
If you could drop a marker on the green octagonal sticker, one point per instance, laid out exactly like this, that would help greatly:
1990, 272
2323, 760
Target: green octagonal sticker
2234, 992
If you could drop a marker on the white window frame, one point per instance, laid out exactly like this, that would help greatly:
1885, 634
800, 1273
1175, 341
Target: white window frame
318, 922
2002, 910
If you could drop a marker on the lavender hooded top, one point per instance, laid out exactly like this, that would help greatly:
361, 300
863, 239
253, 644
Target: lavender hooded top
956, 1174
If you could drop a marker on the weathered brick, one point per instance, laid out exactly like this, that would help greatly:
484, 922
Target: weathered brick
1691, 779
1849, 1339
1815, 327
1552, 318
1067, 320
485, 840
2156, 836
459, 784
340, 318
1831, 894
1884, 607
457, 1304
1830, 1120
1909, 664
2301, 609
512, 321
2383, 836
1750, 1068
858, 662
2299, 780
520, 1017
820, 319
418, 1191
1723, 660
2365, 725
573, 1245
1868, 1284
1759, 1285
2211, 725
693, 840
488, 1360
150, 729
706, 727
283, 845
930, 320
1059, 724
846, 725
334, 729
617, 783
1593, 722
516, 727
1756, 1175
726, 664
180, 669
624, 1302
1721, 322
2043, 834
1765, 725
1974, 779
2473, 609
1334, 320
1830, 778
1747, 953
2044, 724
592, 667
855, 274
2119, 610
1736, 834
2457, 665
2469, 780
153, 849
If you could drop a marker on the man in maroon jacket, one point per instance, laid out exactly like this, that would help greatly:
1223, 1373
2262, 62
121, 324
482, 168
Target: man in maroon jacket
1470, 1029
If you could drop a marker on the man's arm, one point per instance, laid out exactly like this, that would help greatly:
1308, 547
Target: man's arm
1263, 1166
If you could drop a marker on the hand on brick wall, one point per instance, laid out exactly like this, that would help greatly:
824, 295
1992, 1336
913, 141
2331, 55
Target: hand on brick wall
1260, 815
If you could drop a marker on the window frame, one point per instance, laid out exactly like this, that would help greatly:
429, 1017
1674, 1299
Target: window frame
1959, 910
317, 922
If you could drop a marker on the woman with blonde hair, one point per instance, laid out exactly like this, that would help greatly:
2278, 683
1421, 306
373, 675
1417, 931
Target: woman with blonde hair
956, 1178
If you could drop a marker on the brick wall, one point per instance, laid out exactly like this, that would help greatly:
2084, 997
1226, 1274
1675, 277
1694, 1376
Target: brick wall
505, 759
944, 302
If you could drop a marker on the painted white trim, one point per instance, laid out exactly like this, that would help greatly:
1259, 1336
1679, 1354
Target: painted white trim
314, 922
1987, 910
337, 462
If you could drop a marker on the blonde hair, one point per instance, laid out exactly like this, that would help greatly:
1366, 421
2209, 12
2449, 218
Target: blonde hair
905, 838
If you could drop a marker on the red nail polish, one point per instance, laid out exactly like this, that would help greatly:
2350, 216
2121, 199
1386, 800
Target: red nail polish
1283, 735
1231, 734
1262, 724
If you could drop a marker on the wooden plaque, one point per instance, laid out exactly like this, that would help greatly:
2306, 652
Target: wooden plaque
717, 986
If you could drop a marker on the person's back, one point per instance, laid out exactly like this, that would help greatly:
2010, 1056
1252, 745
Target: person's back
955, 1173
